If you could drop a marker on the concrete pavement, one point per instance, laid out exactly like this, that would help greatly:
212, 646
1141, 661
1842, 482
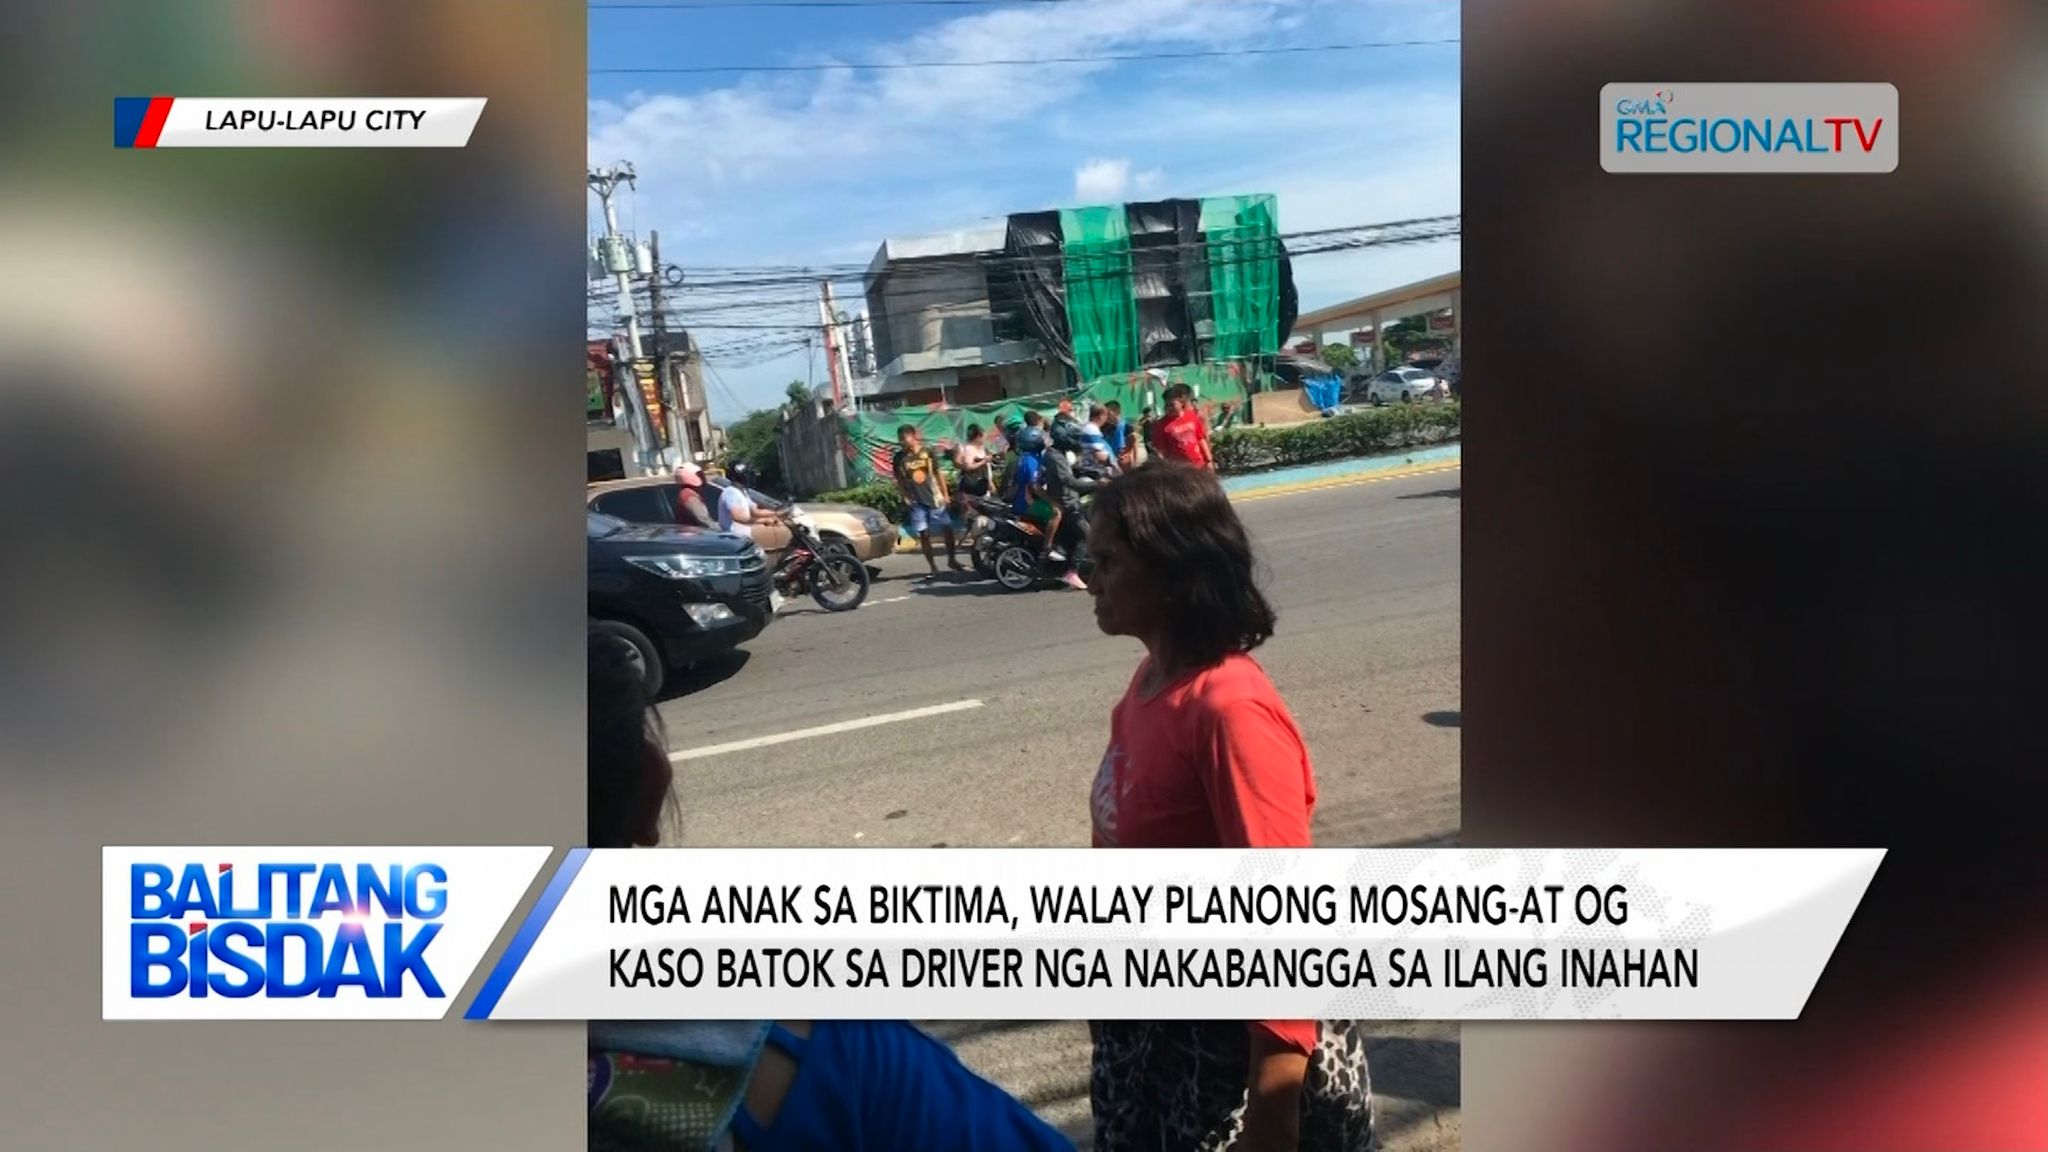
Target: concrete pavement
1007, 699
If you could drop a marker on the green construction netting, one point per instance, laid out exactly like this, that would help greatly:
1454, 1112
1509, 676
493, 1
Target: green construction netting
1243, 236
1220, 390
1243, 276
1102, 311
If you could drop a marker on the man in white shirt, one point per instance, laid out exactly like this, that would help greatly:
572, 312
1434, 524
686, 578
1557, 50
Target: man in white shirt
737, 512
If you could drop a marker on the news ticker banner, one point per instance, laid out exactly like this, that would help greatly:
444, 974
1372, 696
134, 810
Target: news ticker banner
1014, 934
294, 122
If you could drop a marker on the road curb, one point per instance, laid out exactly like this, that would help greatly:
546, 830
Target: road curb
1401, 473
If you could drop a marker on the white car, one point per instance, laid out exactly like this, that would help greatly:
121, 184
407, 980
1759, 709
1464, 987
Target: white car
1405, 386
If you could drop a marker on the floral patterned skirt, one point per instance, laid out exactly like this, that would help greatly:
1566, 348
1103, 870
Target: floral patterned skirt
1179, 1086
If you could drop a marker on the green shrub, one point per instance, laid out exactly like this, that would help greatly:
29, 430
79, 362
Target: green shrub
880, 495
1397, 426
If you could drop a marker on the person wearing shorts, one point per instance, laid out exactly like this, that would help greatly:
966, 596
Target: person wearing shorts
924, 497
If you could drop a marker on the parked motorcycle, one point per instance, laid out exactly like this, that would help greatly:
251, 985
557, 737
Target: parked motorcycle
829, 574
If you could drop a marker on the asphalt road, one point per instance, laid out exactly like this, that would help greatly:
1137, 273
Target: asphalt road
1366, 580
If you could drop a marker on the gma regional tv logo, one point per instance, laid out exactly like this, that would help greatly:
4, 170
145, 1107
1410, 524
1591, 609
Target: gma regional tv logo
301, 933
1749, 128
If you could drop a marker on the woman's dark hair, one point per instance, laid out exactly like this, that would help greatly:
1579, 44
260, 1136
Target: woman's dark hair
974, 431
1177, 522
627, 772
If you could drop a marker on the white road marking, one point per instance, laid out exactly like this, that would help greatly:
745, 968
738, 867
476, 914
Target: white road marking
888, 600
823, 730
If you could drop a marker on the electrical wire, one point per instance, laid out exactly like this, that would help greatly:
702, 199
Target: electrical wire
710, 315
1123, 58
756, 313
760, 283
746, 290
711, 5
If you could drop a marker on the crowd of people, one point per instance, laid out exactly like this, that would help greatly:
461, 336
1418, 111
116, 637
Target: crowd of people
1201, 752
1051, 466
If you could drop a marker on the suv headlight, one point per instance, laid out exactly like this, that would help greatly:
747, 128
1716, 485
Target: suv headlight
875, 523
686, 567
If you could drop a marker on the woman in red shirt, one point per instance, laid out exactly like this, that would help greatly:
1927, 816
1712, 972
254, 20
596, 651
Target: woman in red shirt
1183, 435
1204, 754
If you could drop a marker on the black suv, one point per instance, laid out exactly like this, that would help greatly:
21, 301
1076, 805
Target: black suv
676, 595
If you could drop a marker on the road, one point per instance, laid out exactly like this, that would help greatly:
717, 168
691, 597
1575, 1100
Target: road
1016, 690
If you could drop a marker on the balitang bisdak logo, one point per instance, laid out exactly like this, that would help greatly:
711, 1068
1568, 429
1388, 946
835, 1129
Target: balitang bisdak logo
294, 929
302, 933
1749, 128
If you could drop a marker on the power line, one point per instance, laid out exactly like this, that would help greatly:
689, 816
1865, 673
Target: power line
811, 326
1113, 59
764, 314
716, 278
715, 4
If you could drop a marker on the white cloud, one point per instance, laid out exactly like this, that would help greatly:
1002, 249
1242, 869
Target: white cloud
821, 167
1101, 181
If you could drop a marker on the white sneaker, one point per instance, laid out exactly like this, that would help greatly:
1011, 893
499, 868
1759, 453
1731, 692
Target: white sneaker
1056, 556
1073, 580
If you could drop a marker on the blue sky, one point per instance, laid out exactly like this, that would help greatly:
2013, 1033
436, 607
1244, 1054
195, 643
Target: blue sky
818, 168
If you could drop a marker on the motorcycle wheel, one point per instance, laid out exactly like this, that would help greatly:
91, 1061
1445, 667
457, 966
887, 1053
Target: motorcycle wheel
838, 582
1016, 568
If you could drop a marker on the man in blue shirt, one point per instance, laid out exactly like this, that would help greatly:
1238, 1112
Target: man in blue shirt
1118, 433
1029, 496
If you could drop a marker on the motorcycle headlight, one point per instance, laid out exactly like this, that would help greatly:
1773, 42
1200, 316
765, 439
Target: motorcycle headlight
687, 567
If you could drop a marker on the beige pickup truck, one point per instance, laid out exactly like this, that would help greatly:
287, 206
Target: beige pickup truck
652, 500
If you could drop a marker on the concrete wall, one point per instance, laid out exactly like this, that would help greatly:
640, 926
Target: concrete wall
1033, 379
925, 305
1027, 378
811, 458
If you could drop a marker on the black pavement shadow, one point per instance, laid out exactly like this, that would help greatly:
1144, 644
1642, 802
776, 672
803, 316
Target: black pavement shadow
707, 674
1445, 494
1414, 1068
810, 607
1433, 840
962, 584
1444, 719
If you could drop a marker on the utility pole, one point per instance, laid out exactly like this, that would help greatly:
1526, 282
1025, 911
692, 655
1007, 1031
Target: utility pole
835, 346
671, 399
618, 259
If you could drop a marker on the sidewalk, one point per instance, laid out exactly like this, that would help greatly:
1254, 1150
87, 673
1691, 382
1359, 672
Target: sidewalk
1336, 473
1310, 477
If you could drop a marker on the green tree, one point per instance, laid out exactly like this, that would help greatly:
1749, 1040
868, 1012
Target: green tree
1340, 356
799, 394
1411, 335
755, 441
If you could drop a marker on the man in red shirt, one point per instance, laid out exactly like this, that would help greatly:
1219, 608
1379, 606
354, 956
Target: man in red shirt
1183, 435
